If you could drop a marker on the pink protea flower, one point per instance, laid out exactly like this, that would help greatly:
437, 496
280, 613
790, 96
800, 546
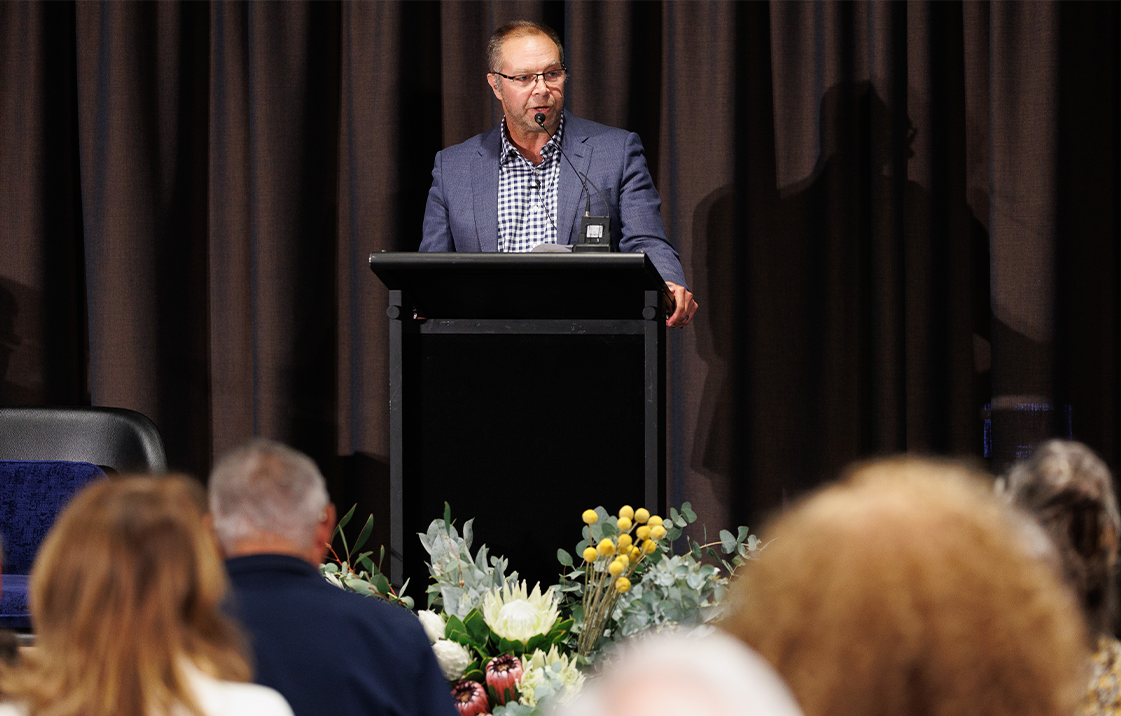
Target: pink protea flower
470, 698
503, 675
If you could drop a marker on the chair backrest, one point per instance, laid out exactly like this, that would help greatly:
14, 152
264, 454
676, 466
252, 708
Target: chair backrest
32, 494
114, 438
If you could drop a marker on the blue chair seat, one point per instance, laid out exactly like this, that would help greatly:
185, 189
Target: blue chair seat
32, 493
13, 602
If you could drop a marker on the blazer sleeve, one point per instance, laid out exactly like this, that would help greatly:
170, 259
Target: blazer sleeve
640, 214
436, 234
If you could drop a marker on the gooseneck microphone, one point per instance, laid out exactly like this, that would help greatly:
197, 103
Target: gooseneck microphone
595, 231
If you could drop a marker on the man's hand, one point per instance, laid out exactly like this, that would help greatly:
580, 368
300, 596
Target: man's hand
684, 304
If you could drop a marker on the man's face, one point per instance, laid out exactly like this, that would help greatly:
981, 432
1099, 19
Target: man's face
528, 54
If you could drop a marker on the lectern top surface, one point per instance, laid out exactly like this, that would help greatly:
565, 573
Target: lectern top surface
530, 285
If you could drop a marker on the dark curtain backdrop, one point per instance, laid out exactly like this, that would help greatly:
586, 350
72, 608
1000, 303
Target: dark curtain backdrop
898, 219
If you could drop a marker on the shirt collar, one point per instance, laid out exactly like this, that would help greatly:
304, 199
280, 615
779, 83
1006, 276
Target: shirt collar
546, 151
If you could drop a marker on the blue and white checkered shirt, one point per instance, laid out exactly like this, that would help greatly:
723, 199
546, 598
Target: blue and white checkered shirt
527, 195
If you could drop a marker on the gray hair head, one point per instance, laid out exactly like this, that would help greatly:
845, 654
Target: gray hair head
265, 488
1070, 491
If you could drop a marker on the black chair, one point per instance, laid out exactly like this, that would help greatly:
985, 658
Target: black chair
47, 455
114, 439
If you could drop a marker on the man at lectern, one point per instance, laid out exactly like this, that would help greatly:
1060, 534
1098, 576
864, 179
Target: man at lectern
531, 180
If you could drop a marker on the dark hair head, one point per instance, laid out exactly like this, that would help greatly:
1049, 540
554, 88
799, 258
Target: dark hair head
518, 28
1070, 491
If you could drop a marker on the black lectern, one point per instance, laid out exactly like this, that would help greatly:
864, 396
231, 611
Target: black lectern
524, 389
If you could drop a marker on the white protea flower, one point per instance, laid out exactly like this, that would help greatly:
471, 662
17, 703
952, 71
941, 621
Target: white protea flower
453, 658
433, 624
334, 579
513, 615
549, 675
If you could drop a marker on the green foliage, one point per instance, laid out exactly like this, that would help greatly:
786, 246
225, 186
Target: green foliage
460, 581
667, 589
356, 572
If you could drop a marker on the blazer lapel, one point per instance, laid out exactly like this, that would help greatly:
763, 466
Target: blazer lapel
484, 188
570, 194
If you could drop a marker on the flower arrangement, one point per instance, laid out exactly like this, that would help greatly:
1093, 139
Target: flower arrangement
508, 650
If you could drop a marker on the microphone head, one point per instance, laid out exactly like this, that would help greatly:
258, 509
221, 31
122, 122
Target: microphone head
540, 119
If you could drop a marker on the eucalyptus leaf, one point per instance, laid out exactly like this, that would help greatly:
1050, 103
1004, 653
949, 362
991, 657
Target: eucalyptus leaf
564, 558
381, 584
365, 533
366, 563
727, 542
346, 518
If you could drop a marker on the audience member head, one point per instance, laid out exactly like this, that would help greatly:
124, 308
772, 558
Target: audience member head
1070, 491
910, 588
268, 498
124, 595
684, 675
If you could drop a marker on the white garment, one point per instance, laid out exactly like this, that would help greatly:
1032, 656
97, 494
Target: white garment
216, 698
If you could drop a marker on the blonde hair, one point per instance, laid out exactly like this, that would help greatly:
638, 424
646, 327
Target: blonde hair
908, 589
126, 589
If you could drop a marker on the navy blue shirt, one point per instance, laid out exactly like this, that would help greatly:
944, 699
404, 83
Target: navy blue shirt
333, 652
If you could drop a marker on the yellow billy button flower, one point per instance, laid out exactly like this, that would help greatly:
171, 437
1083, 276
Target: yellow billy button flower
590, 517
606, 547
649, 546
642, 532
657, 532
654, 521
622, 585
616, 567
641, 515
635, 553
590, 554
624, 524
624, 542
626, 512
625, 559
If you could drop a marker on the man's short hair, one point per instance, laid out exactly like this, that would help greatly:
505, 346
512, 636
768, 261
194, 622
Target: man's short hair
518, 28
266, 488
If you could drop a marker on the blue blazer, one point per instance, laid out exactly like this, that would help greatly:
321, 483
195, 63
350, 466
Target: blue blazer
330, 652
462, 210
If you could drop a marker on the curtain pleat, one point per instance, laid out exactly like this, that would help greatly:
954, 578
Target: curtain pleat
897, 219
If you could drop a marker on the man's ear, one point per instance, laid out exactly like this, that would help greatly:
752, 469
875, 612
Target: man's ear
323, 533
496, 87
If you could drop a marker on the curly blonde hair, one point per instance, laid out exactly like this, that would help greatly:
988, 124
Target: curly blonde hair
908, 589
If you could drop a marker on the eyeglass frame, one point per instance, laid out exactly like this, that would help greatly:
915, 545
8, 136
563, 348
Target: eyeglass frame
535, 75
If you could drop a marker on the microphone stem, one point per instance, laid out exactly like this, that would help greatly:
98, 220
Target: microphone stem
540, 119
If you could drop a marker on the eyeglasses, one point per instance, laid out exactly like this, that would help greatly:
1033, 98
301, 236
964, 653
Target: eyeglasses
551, 77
